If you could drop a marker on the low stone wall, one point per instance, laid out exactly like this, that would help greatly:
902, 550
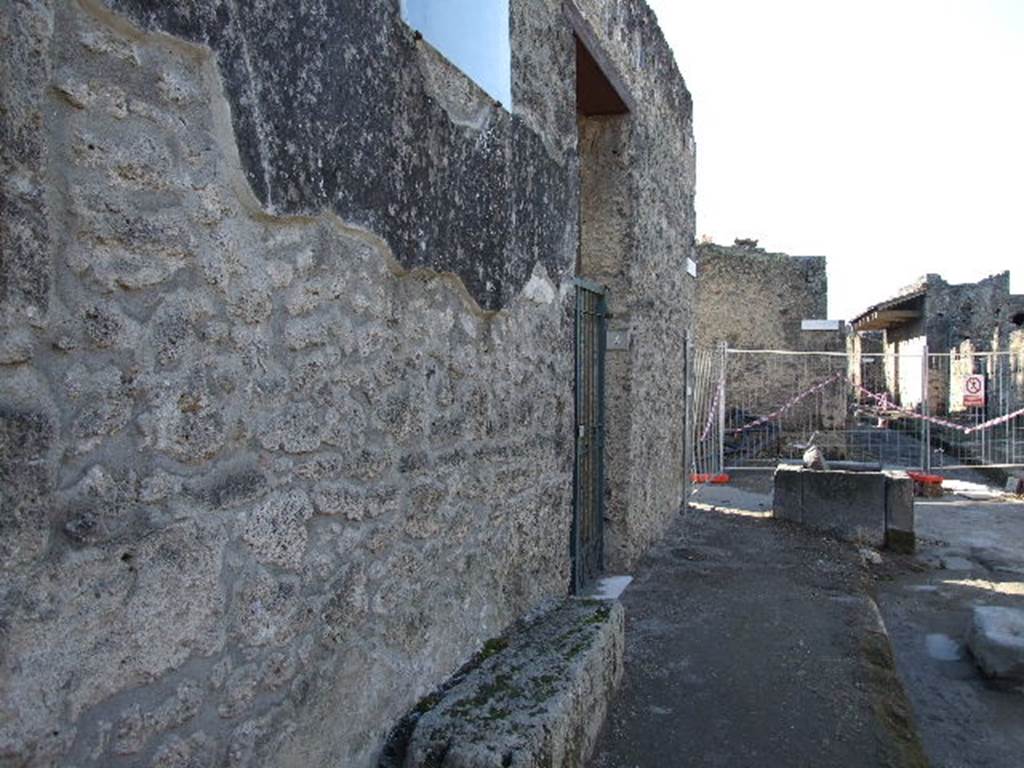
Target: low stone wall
539, 700
874, 508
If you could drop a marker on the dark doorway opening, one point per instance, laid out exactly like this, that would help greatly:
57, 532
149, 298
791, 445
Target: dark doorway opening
605, 215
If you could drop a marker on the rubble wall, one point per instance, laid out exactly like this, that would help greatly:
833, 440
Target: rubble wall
651, 294
752, 299
748, 298
954, 313
286, 372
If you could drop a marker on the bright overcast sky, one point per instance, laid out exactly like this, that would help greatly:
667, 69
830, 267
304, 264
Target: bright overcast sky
887, 135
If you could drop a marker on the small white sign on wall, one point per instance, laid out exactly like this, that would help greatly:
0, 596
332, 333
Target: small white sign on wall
617, 340
820, 325
691, 267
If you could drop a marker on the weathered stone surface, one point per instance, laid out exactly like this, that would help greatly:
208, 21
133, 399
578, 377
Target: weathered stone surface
754, 299
996, 639
96, 623
353, 63
29, 432
26, 276
899, 512
286, 374
865, 507
636, 233
539, 700
276, 528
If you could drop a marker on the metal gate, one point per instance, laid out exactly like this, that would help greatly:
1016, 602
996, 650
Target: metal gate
587, 545
900, 409
705, 413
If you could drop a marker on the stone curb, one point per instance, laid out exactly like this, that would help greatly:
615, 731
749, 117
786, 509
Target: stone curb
891, 704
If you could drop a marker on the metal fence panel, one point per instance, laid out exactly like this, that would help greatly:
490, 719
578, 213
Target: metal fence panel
707, 408
903, 410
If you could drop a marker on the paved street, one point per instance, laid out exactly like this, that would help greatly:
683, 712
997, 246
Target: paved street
753, 643
970, 551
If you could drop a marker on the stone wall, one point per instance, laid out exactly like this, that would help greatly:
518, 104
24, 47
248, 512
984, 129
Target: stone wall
752, 299
286, 371
978, 312
1015, 345
963, 319
749, 299
651, 295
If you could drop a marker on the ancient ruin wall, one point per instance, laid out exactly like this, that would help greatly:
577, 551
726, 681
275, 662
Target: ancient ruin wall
977, 311
752, 299
286, 383
748, 299
652, 295
955, 318
1015, 345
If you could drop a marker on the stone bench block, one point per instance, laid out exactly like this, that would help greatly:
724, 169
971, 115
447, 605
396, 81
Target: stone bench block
875, 508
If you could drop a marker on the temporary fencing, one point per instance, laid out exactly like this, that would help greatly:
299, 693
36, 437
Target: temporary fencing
755, 408
706, 386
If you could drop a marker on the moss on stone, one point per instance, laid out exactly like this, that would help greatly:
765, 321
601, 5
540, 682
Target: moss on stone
491, 647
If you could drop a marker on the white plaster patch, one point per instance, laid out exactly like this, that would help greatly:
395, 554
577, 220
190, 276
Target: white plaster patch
539, 289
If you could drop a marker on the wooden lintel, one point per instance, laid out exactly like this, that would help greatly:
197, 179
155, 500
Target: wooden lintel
589, 40
887, 318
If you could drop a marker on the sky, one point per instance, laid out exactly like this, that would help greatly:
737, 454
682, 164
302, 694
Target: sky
887, 135
473, 35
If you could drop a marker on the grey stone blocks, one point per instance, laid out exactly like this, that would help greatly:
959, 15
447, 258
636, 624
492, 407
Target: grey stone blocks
996, 640
539, 701
875, 508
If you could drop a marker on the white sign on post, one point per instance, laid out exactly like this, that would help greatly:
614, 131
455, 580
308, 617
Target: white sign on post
974, 391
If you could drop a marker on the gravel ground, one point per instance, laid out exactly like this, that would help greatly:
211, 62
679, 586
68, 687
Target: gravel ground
750, 642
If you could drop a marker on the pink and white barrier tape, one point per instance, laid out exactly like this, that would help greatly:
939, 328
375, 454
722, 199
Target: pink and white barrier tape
885, 402
996, 421
789, 403
711, 416
882, 399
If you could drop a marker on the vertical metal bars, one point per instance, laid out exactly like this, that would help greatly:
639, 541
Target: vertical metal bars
706, 409
587, 545
903, 409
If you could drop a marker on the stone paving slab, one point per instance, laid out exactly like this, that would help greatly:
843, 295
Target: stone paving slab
971, 554
996, 639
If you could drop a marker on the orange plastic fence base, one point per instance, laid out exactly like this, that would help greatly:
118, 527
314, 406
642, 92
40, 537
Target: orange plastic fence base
923, 479
703, 477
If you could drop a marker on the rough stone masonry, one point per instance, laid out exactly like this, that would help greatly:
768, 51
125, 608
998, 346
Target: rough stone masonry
286, 370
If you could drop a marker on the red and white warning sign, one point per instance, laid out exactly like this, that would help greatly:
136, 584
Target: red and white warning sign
974, 391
